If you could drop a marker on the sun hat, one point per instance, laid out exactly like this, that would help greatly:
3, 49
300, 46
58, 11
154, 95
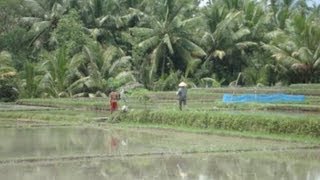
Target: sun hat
182, 84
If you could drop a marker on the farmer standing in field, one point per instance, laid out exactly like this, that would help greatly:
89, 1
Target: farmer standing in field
182, 94
113, 97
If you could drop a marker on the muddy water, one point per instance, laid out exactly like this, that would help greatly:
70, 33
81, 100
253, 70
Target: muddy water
106, 153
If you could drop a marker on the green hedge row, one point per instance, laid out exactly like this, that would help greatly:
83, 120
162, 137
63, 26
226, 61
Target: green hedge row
256, 122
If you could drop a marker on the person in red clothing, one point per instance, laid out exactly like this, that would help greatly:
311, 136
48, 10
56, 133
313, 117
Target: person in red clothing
114, 97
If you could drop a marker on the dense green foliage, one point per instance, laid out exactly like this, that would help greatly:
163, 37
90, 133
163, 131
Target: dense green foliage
81, 48
8, 91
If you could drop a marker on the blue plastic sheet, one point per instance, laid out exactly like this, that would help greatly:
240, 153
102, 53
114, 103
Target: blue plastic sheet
262, 98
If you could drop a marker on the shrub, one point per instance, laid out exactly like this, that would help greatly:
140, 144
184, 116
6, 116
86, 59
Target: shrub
8, 91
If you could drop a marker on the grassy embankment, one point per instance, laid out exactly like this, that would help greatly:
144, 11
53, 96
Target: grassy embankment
205, 112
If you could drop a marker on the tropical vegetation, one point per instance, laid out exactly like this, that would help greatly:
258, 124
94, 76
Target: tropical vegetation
68, 48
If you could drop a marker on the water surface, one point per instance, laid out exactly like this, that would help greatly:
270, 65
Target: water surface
79, 153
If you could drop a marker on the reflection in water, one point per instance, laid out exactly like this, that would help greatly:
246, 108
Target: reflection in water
239, 166
71, 141
132, 156
51, 142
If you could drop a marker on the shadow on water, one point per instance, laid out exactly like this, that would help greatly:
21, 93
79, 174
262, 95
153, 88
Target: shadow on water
93, 153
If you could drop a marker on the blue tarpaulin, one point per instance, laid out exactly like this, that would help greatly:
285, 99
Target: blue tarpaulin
263, 98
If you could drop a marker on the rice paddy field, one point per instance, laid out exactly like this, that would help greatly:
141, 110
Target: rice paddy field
75, 138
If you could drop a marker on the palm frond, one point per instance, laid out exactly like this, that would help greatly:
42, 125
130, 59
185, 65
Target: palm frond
47, 85
245, 44
231, 20
277, 52
57, 10
194, 49
192, 66
207, 39
240, 33
119, 23
305, 54
28, 21
126, 19
103, 20
92, 66
276, 35
191, 22
173, 10
126, 37
316, 64
126, 76
89, 55
39, 27
34, 7
167, 41
46, 82
155, 58
288, 45
122, 63
111, 54
316, 55
149, 43
91, 82
213, 81
109, 21
78, 85
77, 60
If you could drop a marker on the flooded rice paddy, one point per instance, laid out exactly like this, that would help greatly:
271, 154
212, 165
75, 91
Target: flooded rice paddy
105, 152
246, 166
15, 107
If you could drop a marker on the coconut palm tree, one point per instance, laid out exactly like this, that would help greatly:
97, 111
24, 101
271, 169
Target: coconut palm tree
165, 40
96, 69
41, 18
107, 61
297, 47
257, 64
227, 36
